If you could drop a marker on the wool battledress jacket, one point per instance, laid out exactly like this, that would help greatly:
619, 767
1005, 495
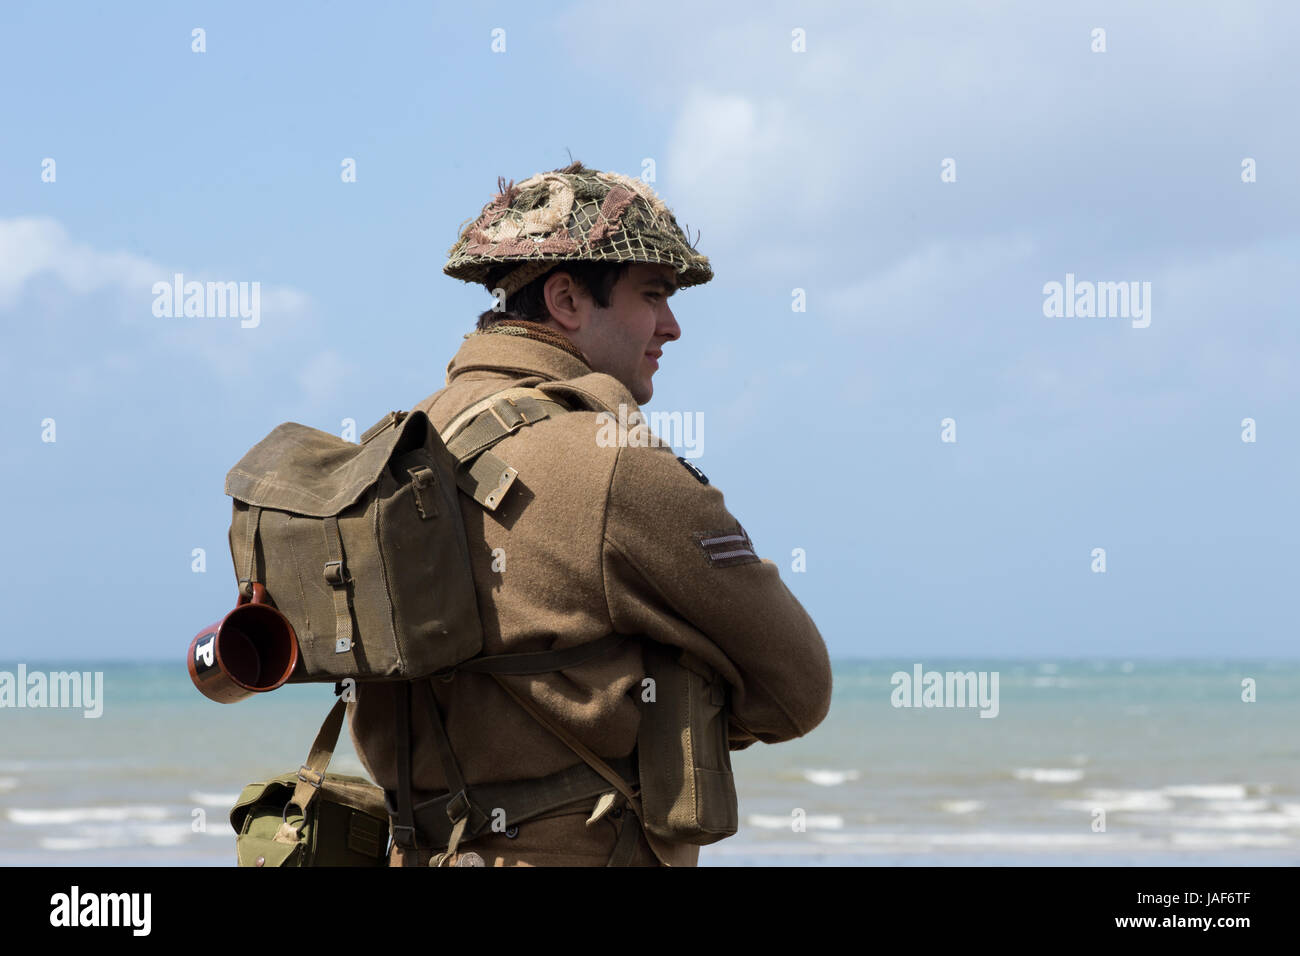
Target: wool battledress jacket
592, 541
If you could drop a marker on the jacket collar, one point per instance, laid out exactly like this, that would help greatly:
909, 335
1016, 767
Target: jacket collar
514, 353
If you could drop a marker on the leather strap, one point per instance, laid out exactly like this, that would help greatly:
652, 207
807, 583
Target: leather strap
337, 577
311, 775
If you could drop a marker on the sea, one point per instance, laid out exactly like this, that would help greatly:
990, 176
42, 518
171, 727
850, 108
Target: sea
1081, 763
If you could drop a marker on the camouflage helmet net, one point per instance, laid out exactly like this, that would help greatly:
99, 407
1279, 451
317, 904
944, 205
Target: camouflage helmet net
572, 214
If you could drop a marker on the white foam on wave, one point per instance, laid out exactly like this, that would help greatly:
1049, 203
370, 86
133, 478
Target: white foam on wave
1211, 791
764, 821
1053, 682
115, 837
961, 806
1217, 841
1049, 774
983, 838
8, 783
1236, 821
66, 815
213, 799
1113, 801
830, 778
1237, 806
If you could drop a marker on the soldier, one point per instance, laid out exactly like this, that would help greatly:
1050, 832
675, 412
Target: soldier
595, 538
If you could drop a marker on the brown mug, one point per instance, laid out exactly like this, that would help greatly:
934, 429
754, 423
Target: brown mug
251, 650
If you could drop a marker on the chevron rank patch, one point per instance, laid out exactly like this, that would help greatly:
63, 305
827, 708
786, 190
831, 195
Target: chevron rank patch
723, 549
700, 476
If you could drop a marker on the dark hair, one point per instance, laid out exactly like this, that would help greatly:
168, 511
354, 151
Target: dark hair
529, 303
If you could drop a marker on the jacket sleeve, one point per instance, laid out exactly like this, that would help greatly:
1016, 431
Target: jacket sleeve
681, 570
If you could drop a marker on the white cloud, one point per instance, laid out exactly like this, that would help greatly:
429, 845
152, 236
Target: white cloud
116, 334
30, 247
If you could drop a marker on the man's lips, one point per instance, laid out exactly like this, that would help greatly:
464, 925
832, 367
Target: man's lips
654, 357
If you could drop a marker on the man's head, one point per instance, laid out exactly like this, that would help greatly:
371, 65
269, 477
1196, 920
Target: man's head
616, 314
593, 255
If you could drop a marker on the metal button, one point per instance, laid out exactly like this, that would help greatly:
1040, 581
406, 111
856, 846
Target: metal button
261, 861
512, 832
470, 859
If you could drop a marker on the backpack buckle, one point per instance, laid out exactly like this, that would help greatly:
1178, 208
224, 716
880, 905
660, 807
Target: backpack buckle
336, 574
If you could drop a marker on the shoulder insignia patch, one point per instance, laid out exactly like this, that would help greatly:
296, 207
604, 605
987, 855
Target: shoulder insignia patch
700, 476
722, 549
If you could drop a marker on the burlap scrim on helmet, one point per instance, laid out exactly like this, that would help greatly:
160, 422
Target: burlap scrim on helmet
571, 214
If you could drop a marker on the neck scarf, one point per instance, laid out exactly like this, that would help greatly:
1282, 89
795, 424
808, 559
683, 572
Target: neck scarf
535, 331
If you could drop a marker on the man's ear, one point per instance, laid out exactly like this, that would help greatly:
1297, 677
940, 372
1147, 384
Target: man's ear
565, 300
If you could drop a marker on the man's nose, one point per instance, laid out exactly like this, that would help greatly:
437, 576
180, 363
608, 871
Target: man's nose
668, 327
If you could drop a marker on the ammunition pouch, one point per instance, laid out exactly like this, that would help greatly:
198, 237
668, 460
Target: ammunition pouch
688, 792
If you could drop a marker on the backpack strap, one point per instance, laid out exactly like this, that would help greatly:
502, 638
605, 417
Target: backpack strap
479, 473
311, 775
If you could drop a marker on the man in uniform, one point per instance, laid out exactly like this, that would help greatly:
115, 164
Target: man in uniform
595, 537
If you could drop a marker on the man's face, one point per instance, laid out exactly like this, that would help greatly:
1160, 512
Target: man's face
625, 340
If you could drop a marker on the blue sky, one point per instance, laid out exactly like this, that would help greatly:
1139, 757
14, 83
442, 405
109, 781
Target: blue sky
815, 170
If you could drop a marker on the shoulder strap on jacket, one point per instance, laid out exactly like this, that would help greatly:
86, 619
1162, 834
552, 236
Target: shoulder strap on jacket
471, 434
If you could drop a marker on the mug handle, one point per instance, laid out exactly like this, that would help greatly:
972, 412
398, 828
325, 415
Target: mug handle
259, 596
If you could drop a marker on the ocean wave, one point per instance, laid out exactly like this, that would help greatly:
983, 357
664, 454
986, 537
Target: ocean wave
203, 799
66, 815
982, 838
830, 778
763, 821
1120, 801
1236, 821
1215, 841
1211, 791
1053, 682
1029, 842
1237, 806
8, 783
961, 806
106, 838
1049, 774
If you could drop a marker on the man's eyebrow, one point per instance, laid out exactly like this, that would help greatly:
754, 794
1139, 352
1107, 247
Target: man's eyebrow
662, 283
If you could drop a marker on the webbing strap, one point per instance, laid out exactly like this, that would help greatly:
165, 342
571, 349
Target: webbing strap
518, 800
311, 775
541, 662
251, 521
404, 828
576, 745
501, 418
471, 434
459, 422
461, 811
625, 846
663, 850
336, 575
